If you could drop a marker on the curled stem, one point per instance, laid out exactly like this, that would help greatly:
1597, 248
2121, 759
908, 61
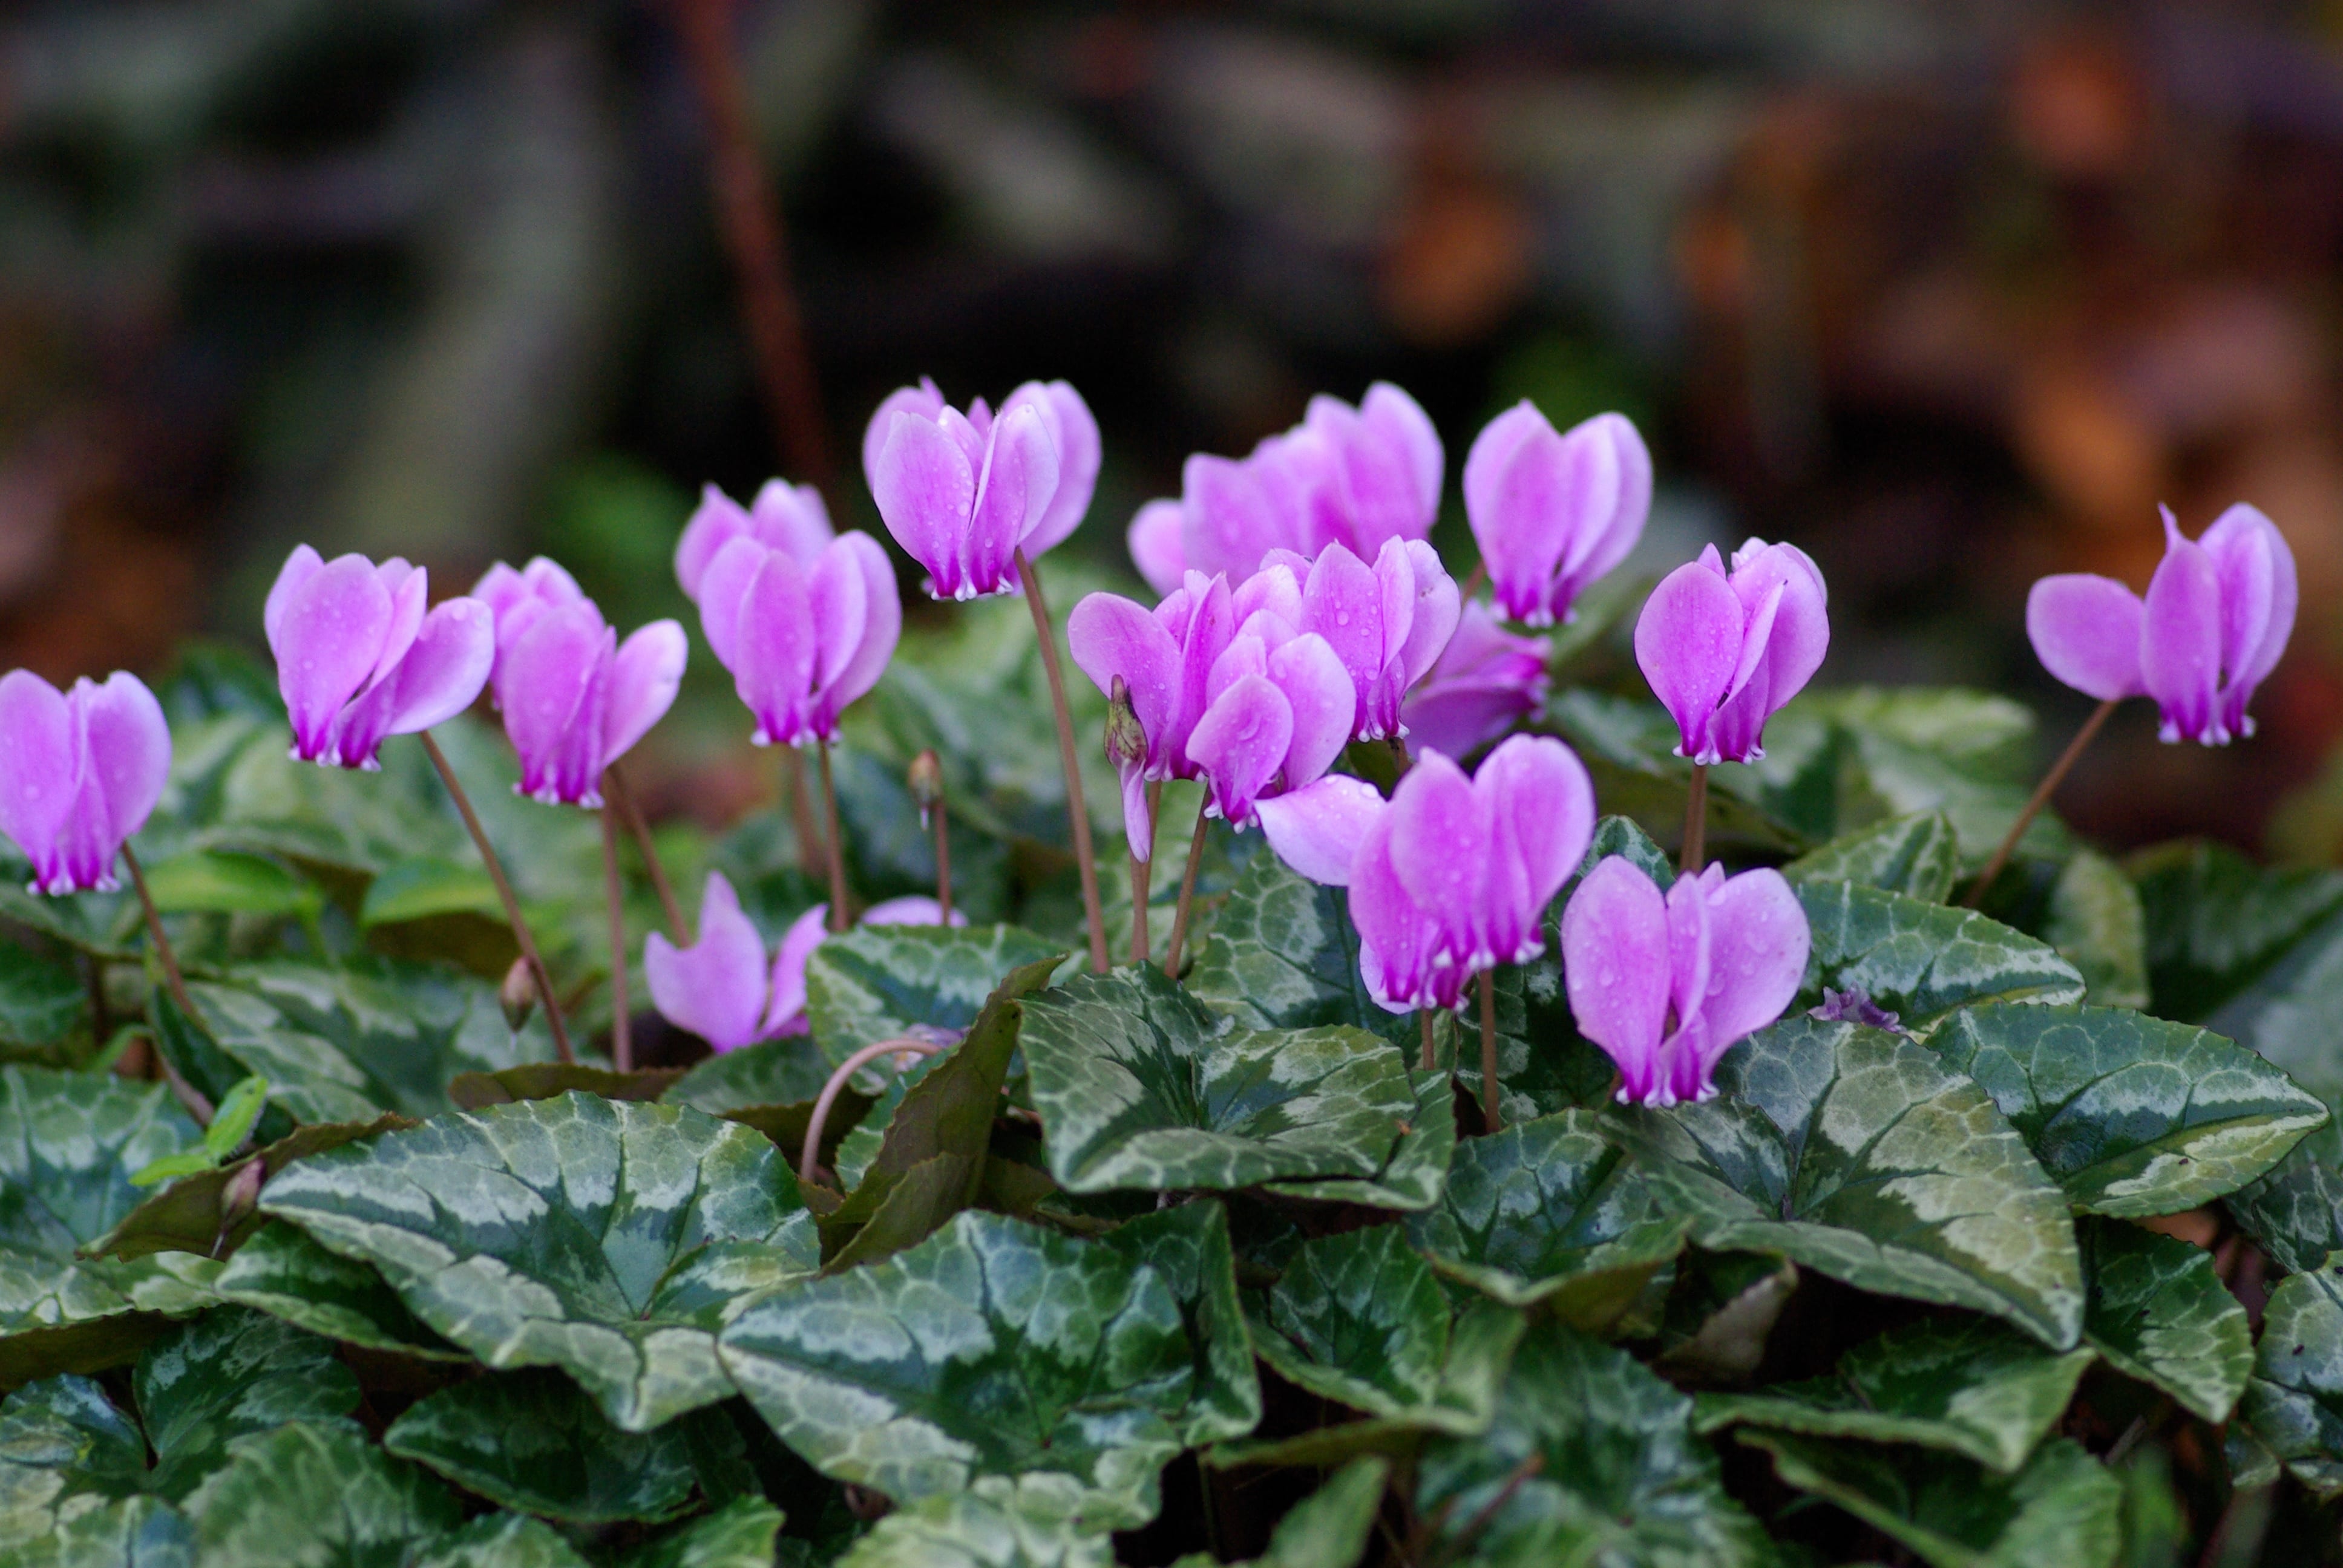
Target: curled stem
2041, 798
613, 786
1078, 814
187, 1093
1696, 833
836, 1083
521, 936
1186, 896
837, 912
622, 1029
1491, 1120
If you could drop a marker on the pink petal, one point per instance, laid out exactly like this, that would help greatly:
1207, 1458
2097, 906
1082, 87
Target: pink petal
1246, 655
1231, 518
38, 773
1274, 589
1688, 643
1541, 803
129, 751
644, 675
298, 568
1317, 829
555, 678
1439, 605
2086, 631
1240, 743
911, 910
1594, 550
1394, 463
792, 519
779, 643
408, 588
329, 633
1108, 636
1075, 435
924, 487
1020, 478
2180, 642
1157, 545
1395, 937
1691, 947
1535, 492
1441, 850
1796, 636
1758, 941
2256, 569
922, 402
1206, 638
1321, 696
722, 588
1343, 602
715, 988
839, 594
787, 1013
441, 676
717, 521
1615, 968
882, 627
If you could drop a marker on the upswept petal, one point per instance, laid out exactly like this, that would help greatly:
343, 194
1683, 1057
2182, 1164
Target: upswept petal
792, 519
1614, 968
441, 676
1343, 602
1441, 848
911, 910
1485, 679
922, 402
1758, 942
716, 988
1230, 517
1691, 942
1019, 480
1320, 694
1395, 937
882, 626
1798, 638
925, 487
298, 568
1688, 644
129, 749
786, 1014
773, 667
1211, 625
2085, 630
1108, 636
644, 675
1439, 605
724, 588
837, 595
329, 633
1157, 544
38, 775
1594, 552
1273, 588
1240, 743
1516, 501
1542, 800
1317, 829
2180, 643
2256, 566
557, 689
1074, 434
1407, 459
409, 590
716, 522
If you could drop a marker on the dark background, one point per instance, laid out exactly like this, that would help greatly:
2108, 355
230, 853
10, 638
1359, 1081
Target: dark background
1950, 292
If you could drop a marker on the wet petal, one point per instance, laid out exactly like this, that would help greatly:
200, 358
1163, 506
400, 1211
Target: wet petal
923, 402
774, 668
1021, 477
789, 977
723, 589
882, 623
37, 765
1598, 547
1758, 941
441, 676
1395, 937
839, 597
1320, 695
1158, 546
1074, 432
1615, 968
1439, 605
555, 686
1240, 743
129, 751
2086, 631
716, 988
329, 634
1317, 829
924, 487
644, 675
1688, 644
1343, 602
2180, 643
1440, 845
1108, 636
1542, 804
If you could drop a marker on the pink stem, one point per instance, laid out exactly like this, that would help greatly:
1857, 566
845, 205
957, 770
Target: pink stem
830, 1093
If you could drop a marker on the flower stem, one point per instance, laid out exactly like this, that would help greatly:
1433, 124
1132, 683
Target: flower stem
1696, 833
2041, 798
622, 1030
1491, 1120
1423, 1022
838, 1080
613, 785
1472, 581
812, 854
943, 865
1077, 813
1187, 895
837, 912
1142, 873
527, 942
187, 1093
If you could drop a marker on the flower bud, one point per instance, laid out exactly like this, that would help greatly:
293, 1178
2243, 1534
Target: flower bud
242, 1193
1126, 738
925, 780
518, 995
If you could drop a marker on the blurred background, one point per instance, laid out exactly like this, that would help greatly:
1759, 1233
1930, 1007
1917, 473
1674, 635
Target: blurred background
1951, 293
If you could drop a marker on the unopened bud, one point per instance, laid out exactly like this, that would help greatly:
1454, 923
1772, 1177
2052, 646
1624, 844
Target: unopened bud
1126, 738
518, 995
927, 783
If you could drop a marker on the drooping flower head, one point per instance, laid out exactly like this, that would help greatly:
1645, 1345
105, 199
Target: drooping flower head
803, 638
1724, 651
358, 658
80, 771
1164, 657
1452, 875
1486, 680
1553, 512
789, 518
2216, 620
1388, 623
574, 697
1666, 983
963, 493
1356, 477
721, 988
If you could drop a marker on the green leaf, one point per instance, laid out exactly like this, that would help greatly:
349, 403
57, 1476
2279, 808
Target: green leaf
128, 1532
2096, 924
740, 1534
993, 1357
550, 1080
1550, 1211
1857, 1154
576, 1232
878, 983
531, 1441
307, 1494
225, 1376
1922, 961
1602, 1464
1327, 1528
426, 887
1966, 1385
2158, 1312
281, 1271
40, 999
1188, 1247
172, 1167
192, 1214
1357, 1318
971, 1532
222, 881
65, 1449
790, 1070
1627, 744
2294, 1403
2216, 922
234, 1117
1983, 732
497, 1541
1915, 854
1135, 1089
1720, 1313
68, 1143
2286, 1016
2130, 1114
2295, 1213
1417, 1167
2062, 1508
1284, 955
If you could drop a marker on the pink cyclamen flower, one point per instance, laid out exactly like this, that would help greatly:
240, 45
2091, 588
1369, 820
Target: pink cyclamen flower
1355, 477
803, 638
2216, 620
575, 698
358, 658
1724, 652
1388, 623
1553, 512
1488, 678
721, 988
789, 518
1666, 984
964, 492
80, 771
1164, 657
1452, 875
1278, 710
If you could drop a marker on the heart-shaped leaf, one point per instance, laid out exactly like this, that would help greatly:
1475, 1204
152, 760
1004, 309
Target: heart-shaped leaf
583, 1233
740, 1534
2062, 1508
307, 1494
1188, 1247
1915, 854
2095, 924
130, 1533
64, 1449
1359, 1318
225, 1376
2130, 1114
878, 982
1591, 1459
1921, 960
531, 1441
68, 1145
1966, 1385
498, 1541
40, 999
1284, 955
782, 1072
2216, 922
1855, 1152
1137, 1089
2159, 1313
2296, 1211
1417, 1167
970, 1531
1550, 1211
993, 1357
222, 881
283, 1273
2294, 1403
